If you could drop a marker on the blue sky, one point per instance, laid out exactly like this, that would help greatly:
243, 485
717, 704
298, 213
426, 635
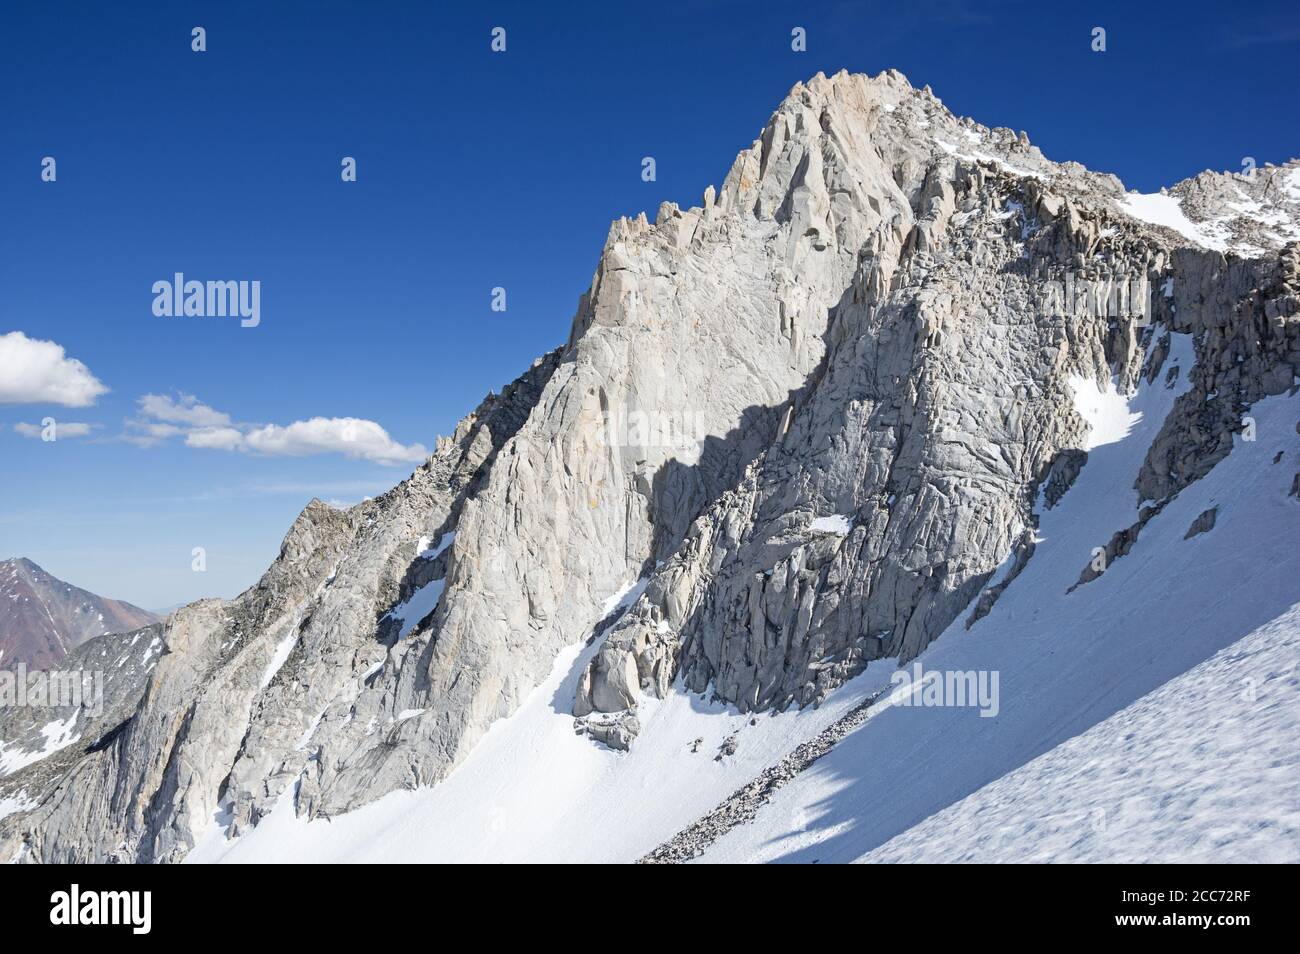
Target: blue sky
475, 170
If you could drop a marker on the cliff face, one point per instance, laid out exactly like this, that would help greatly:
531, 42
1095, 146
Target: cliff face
906, 470
794, 430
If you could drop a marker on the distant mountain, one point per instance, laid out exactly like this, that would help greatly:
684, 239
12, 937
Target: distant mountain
43, 618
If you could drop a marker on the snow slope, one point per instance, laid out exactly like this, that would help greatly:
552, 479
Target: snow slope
1206, 768
421, 603
58, 734
1162, 209
533, 790
1107, 412
1068, 661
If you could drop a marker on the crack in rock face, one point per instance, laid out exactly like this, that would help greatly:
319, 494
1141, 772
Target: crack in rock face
795, 431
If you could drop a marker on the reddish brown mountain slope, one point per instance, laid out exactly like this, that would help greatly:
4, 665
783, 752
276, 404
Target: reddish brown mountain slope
42, 618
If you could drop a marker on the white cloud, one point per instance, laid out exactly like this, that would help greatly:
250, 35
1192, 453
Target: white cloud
350, 436
39, 372
62, 429
188, 410
203, 427
215, 438
149, 433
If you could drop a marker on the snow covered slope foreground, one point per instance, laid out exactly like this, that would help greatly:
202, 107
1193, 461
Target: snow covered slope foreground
1203, 769
535, 791
1161, 764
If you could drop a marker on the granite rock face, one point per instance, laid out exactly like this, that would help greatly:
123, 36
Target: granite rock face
794, 430
943, 407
